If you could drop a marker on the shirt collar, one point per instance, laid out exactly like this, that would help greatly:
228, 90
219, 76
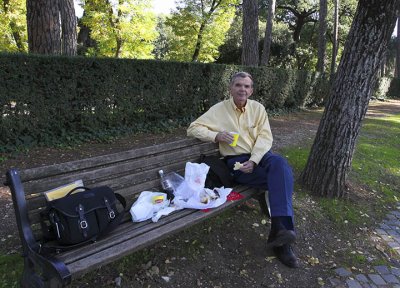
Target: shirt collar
235, 108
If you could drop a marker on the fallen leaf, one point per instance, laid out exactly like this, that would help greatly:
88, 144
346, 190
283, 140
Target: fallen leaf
269, 259
320, 281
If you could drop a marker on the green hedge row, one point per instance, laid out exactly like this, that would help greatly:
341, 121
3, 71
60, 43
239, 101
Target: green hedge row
48, 99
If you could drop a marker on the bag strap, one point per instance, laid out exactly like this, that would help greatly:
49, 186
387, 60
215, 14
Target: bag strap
76, 188
47, 248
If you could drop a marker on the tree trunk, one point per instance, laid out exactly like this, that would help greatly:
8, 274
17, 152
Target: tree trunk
250, 54
335, 38
268, 33
331, 155
198, 42
44, 30
397, 72
323, 10
68, 26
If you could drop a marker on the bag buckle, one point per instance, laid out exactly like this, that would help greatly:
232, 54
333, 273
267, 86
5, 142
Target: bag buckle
111, 212
83, 224
82, 221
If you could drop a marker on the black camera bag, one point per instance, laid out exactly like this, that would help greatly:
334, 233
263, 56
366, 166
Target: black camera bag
82, 217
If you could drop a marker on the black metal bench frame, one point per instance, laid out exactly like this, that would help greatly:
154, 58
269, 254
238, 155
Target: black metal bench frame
128, 173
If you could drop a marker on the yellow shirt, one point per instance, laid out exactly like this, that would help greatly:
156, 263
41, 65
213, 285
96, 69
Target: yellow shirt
251, 122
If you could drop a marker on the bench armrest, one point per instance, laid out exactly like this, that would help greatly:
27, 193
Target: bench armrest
50, 265
21, 212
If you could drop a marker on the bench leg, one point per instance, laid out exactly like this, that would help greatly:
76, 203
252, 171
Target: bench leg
29, 278
264, 203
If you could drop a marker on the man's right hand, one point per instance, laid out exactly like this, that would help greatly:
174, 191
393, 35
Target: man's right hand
224, 137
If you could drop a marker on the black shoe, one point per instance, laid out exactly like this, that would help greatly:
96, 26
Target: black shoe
281, 238
286, 255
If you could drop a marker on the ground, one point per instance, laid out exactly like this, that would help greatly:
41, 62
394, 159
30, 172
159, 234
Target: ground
227, 251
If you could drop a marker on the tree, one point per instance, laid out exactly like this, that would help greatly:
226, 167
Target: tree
323, 11
268, 33
199, 28
51, 26
43, 27
397, 71
13, 35
250, 54
123, 28
331, 155
335, 41
297, 15
68, 27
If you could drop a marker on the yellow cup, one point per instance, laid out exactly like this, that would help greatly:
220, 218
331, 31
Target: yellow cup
235, 138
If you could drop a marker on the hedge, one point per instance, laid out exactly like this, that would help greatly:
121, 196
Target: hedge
53, 99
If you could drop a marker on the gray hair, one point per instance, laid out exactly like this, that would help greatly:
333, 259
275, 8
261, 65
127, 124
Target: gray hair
240, 74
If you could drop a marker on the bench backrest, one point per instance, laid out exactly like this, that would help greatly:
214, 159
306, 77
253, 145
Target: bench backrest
128, 173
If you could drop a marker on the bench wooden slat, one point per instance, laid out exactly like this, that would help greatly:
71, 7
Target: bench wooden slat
130, 229
111, 172
59, 169
126, 247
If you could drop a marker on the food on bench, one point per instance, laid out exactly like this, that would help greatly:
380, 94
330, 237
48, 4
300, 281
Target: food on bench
207, 195
205, 199
158, 199
237, 166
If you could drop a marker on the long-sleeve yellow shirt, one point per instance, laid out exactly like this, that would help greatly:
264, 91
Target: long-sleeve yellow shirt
251, 122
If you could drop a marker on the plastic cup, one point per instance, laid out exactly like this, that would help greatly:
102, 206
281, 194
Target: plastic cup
235, 138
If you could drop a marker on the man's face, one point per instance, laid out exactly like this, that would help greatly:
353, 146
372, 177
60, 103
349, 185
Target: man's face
241, 89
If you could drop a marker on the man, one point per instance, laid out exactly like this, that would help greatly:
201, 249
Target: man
259, 166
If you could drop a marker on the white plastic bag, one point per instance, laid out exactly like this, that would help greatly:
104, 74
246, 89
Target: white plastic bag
144, 208
195, 175
197, 200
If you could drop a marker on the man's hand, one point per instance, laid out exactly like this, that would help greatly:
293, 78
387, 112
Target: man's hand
224, 137
248, 167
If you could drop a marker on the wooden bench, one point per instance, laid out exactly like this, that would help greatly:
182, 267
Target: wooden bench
128, 173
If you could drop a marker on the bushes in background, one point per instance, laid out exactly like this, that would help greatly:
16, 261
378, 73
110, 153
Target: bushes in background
50, 99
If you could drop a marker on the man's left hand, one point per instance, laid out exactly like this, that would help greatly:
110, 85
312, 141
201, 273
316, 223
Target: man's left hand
248, 167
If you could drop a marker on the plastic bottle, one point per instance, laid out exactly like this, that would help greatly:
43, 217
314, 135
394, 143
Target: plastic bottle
166, 185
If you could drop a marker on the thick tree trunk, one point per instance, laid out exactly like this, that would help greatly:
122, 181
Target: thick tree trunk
335, 38
397, 72
331, 155
268, 33
68, 26
44, 30
250, 56
323, 10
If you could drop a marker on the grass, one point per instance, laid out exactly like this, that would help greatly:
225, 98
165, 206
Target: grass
10, 270
375, 169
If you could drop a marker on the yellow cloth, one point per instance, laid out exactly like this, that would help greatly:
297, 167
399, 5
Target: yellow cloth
61, 191
251, 122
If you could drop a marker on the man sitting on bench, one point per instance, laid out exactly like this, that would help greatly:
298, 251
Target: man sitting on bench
258, 167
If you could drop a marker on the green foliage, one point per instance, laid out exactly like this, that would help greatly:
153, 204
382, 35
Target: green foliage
10, 270
187, 22
52, 100
161, 46
13, 31
125, 30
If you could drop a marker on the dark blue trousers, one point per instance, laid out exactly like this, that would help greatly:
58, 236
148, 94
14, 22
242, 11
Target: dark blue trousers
274, 174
